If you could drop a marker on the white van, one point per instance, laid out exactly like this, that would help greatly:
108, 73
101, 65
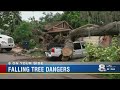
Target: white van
6, 42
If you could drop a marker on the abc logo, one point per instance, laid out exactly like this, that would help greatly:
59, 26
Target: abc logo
102, 67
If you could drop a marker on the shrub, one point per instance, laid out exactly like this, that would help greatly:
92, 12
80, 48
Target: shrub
22, 32
32, 43
108, 54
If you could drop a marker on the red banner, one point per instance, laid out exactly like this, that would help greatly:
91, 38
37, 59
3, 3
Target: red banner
3, 69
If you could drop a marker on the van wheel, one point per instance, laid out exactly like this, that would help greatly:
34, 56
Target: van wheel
65, 58
70, 58
8, 49
60, 57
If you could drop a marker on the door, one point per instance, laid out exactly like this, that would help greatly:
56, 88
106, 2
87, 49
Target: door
77, 52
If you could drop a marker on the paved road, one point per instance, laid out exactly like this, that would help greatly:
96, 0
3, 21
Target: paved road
5, 57
50, 76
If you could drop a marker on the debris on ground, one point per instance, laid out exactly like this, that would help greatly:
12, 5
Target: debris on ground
18, 51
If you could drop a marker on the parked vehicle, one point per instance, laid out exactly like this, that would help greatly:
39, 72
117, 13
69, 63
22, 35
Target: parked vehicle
78, 52
6, 42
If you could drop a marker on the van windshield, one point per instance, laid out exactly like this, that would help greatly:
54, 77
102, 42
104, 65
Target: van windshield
10, 40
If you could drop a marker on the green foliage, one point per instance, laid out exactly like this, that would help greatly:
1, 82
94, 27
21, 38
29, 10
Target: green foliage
73, 18
22, 32
38, 45
37, 53
112, 76
32, 43
9, 20
99, 54
34, 23
100, 17
108, 54
49, 18
79, 18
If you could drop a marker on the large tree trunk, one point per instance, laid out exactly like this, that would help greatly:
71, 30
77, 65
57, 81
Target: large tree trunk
95, 30
67, 51
84, 31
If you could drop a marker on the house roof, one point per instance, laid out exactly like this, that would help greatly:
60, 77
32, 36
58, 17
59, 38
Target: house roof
50, 25
59, 31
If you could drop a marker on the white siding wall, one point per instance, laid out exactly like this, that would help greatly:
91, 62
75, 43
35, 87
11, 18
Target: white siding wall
92, 39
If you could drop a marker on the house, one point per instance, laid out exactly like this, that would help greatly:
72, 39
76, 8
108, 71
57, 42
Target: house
91, 39
103, 41
60, 27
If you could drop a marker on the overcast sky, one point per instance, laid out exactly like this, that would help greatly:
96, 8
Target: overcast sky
37, 14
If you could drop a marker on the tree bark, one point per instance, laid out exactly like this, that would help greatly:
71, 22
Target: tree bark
95, 30
67, 51
68, 47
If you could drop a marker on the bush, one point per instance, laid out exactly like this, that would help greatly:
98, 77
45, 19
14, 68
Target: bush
108, 54
111, 76
32, 43
22, 32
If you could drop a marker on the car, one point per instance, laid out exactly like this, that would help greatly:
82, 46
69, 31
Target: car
78, 51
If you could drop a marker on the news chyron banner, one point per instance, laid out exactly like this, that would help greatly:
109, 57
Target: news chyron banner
59, 67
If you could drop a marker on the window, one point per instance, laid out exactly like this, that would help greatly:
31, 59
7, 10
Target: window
10, 40
77, 46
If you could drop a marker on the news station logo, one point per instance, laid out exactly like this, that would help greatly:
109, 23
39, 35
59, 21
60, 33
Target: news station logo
111, 67
102, 68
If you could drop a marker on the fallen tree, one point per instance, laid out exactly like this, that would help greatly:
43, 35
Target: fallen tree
84, 31
46, 39
95, 30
